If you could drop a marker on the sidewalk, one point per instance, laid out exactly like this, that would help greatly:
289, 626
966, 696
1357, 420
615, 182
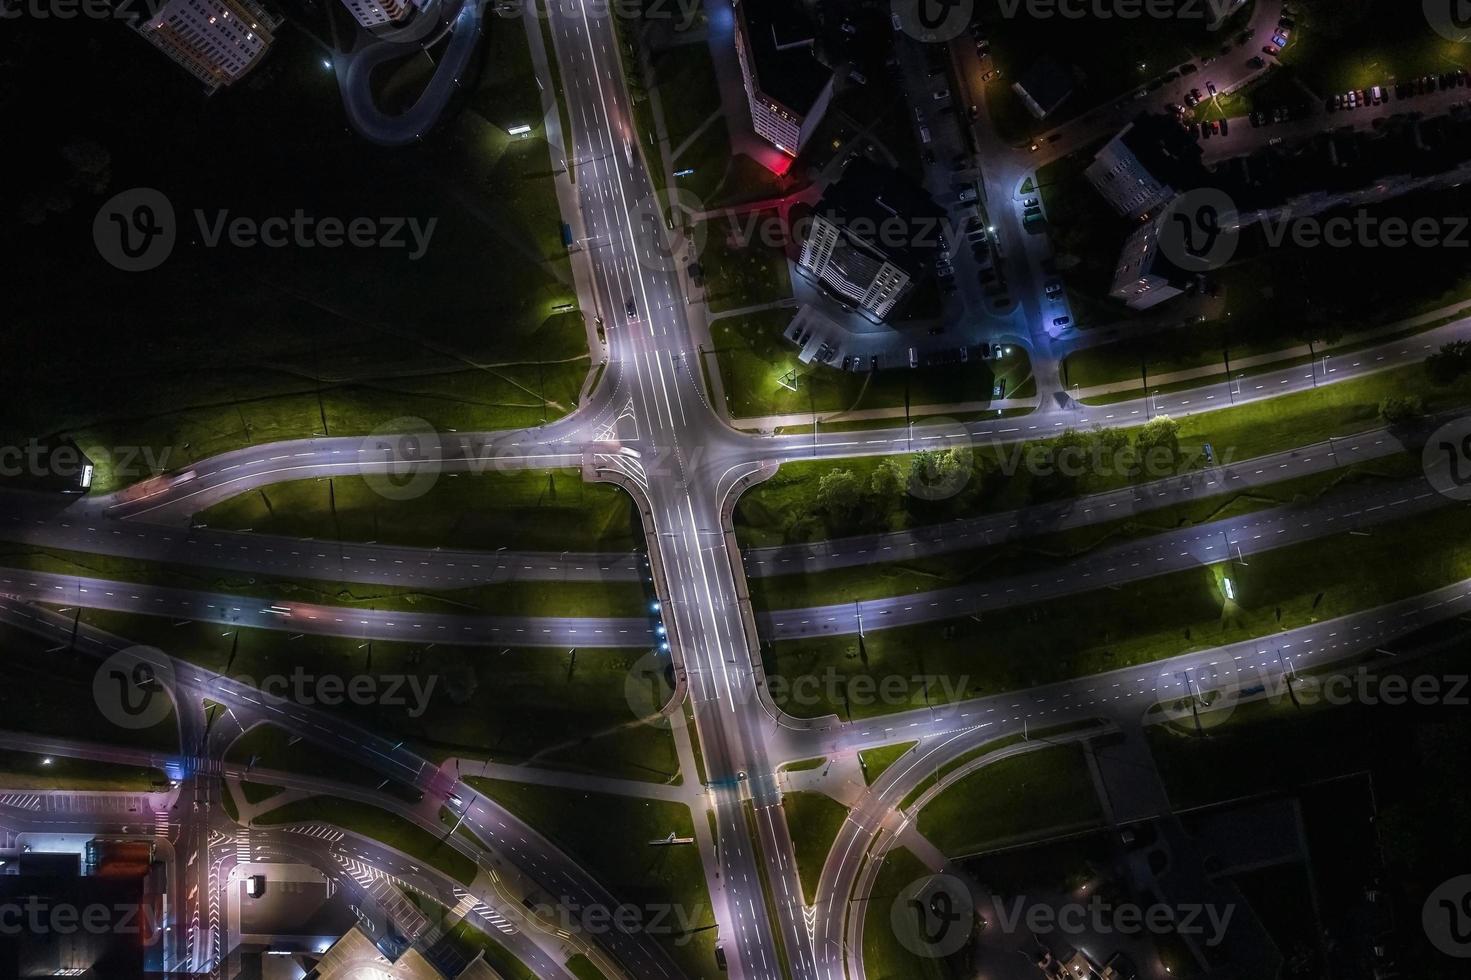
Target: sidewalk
766, 423
1214, 370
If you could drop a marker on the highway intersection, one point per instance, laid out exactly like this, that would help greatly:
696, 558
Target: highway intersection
649, 428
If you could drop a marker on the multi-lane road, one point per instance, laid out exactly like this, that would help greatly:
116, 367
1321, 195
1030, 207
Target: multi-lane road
684, 466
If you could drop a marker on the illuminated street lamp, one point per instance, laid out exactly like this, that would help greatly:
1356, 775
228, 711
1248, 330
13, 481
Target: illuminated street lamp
520, 130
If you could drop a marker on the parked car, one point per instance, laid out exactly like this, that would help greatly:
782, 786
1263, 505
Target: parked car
1061, 321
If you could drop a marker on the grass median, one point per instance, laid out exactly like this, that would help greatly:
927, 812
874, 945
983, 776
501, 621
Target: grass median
551, 510
610, 837
1043, 551
547, 707
1031, 644
526, 597
813, 820
1011, 800
48, 690
759, 368
28, 770
375, 824
781, 510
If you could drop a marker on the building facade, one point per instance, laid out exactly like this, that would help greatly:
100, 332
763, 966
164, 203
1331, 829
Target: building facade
216, 41
787, 88
1124, 181
373, 13
873, 235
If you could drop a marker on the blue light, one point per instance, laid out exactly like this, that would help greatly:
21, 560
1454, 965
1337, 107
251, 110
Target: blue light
657, 607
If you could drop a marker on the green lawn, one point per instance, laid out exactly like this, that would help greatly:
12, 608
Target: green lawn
1108, 56
1027, 645
273, 747
805, 764
1338, 46
741, 268
582, 968
548, 707
380, 825
875, 761
1018, 798
258, 792
514, 598
753, 359
25, 770
497, 957
1045, 551
609, 836
885, 957
688, 90
551, 510
813, 819
49, 692
338, 337
781, 510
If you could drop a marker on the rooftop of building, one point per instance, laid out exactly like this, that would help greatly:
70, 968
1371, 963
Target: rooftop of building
885, 210
782, 42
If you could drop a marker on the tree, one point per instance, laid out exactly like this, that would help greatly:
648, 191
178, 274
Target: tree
886, 484
1157, 446
1399, 409
840, 494
1450, 362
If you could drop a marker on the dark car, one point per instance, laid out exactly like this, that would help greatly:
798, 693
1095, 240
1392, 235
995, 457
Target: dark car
632, 310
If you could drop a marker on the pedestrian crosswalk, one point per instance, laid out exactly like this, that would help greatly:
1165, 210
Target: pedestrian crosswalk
328, 834
161, 824
21, 801
243, 853
469, 903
